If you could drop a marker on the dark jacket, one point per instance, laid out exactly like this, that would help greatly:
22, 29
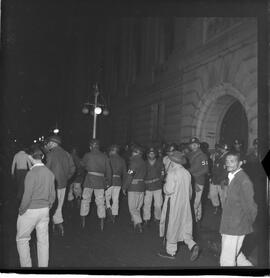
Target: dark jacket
219, 171
154, 175
99, 172
135, 175
119, 169
198, 166
61, 164
240, 210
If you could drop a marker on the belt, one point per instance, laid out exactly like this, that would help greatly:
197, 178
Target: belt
151, 181
116, 176
96, 174
136, 181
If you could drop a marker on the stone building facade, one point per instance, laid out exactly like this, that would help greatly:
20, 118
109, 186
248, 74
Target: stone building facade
173, 78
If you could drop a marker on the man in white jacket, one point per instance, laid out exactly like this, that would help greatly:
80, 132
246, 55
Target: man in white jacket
176, 218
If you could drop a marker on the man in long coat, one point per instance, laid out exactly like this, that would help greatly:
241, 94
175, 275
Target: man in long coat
176, 217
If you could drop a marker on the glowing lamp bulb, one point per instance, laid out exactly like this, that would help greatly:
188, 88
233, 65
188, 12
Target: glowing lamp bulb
35, 141
56, 130
98, 110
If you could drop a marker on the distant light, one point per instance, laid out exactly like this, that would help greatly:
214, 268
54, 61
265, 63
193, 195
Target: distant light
98, 110
15, 140
106, 112
39, 139
35, 141
56, 130
85, 110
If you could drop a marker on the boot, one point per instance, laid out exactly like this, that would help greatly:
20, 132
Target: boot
113, 218
61, 229
146, 223
102, 223
109, 213
82, 222
78, 201
138, 228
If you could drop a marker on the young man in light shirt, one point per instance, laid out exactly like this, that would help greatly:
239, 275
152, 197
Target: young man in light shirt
38, 198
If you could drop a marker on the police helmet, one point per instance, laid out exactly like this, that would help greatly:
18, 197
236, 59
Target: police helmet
172, 147
137, 150
224, 146
194, 140
94, 143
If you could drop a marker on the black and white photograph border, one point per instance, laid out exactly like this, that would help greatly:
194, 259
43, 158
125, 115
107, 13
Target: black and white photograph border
138, 74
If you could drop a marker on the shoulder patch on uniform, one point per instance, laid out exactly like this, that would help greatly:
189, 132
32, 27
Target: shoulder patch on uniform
130, 172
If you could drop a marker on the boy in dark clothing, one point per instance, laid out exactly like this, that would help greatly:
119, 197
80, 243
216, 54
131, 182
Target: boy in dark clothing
38, 198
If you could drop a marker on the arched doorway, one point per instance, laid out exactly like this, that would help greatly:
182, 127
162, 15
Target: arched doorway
234, 125
222, 116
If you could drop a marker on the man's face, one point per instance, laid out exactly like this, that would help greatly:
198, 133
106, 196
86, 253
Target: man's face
151, 156
232, 163
194, 147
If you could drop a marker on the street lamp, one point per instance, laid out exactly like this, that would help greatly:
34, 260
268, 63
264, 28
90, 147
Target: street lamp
96, 109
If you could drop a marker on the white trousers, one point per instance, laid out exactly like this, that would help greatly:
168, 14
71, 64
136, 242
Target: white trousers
230, 251
158, 200
135, 203
112, 193
58, 216
198, 202
99, 199
171, 248
74, 190
216, 193
33, 219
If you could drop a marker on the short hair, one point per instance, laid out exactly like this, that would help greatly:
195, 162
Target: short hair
36, 152
234, 153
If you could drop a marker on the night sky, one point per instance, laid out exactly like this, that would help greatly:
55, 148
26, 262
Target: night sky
50, 64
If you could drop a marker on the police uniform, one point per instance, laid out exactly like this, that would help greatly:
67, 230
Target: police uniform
136, 187
119, 171
62, 165
219, 176
153, 188
198, 169
99, 175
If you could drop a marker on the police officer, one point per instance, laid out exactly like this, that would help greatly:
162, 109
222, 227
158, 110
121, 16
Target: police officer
62, 165
119, 171
237, 146
170, 150
98, 178
218, 178
199, 170
153, 184
135, 186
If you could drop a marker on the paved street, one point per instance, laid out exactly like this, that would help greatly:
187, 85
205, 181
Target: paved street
116, 247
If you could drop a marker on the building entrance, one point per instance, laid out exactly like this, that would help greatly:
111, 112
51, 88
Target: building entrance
235, 125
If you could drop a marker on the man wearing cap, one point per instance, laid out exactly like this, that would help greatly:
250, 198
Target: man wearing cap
199, 170
98, 178
170, 149
176, 218
38, 198
61, 164
219, 177
119, 171
153, 186
135, 186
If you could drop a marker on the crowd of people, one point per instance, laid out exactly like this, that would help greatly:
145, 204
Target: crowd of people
171, 178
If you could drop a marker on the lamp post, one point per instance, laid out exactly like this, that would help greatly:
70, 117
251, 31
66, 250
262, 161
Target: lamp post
97, 110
